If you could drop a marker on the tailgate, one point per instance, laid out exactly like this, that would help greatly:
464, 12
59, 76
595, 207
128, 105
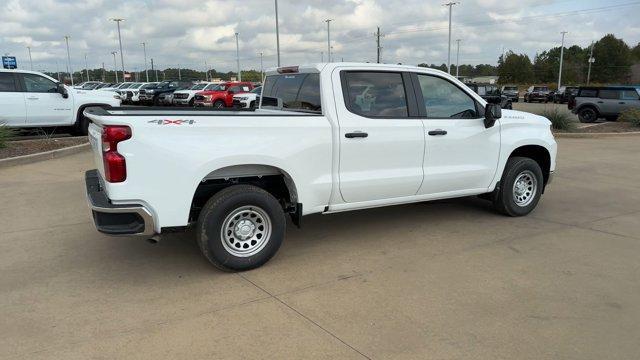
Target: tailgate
95, 139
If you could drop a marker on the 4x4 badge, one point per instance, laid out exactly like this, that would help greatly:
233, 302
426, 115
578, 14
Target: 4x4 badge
171, 122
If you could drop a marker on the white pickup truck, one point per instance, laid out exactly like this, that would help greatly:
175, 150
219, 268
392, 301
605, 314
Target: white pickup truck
326, 138
33, 99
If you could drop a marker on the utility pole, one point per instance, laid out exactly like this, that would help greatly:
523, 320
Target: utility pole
450, 5
144, 49
238, 58
69, 70
115, 64
458, 59
591, 61
152, 70
277, 34
561, 56
124, 79
58, 70
261, 68
328, 21
86, 66
30, 60
104, 73
179, 73
321, 56
378, 44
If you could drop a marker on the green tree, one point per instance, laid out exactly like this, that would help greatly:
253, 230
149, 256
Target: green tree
613, 60
515, 69
635, 53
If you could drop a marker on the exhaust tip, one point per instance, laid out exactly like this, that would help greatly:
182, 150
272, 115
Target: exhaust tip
154, 239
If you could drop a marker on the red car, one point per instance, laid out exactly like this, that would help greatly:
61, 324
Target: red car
221, 96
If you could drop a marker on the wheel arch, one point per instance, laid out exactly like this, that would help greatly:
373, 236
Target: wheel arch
539, 154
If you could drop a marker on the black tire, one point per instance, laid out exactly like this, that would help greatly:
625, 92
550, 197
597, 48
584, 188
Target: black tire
587, 115
508, 105
516, 167
156, 101
252, 104
223, 204
192, 101
218, 104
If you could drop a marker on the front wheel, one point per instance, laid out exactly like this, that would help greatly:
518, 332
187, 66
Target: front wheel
520, 187
240, 228
219, 104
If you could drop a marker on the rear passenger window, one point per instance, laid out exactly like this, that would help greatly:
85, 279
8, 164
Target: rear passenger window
376, 94
300, 92
444, 100
588, 93
7, 82
609, 94
630, 95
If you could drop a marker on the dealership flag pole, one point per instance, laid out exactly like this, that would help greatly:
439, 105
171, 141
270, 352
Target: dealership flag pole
69, 70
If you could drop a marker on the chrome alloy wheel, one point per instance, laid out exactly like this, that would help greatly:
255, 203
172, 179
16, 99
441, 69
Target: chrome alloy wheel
245, 231
524, 188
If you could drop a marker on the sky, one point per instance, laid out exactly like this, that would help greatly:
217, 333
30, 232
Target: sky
188, 33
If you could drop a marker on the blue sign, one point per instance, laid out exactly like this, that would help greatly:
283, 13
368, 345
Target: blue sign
9, 62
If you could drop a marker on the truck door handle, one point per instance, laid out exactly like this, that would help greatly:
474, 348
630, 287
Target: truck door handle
33, 98
358, 134
437, 132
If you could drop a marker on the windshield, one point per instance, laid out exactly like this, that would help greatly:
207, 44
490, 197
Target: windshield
198, 87
540, 88
299, 92
256, 90
510, 88
218, 87
163, 84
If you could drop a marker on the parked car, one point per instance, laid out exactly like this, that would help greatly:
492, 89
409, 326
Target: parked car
315, 145
115, 87
127, 94
152, 96
491, 94
564, 94
221, 96
33, 99
186, 97
592, 103
511, 92
87, 85
247, 100
133, 95
537, 93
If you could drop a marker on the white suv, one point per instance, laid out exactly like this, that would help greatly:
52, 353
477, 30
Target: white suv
186, 97
33, 99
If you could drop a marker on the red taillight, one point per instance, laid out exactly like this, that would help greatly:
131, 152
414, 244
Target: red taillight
115, 165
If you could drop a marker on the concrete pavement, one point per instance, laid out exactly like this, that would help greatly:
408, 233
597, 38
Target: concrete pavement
450, 279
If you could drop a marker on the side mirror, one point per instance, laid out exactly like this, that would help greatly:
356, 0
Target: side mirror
62, 90
492, 112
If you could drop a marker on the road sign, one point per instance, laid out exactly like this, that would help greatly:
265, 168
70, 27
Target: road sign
9, 62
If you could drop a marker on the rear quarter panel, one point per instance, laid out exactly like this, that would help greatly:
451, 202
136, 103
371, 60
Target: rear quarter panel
166, 162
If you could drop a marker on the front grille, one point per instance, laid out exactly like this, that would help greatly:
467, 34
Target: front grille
180, 96
142, 92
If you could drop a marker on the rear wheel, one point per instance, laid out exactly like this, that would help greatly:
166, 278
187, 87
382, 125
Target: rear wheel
587, 115
240, 228
520, 187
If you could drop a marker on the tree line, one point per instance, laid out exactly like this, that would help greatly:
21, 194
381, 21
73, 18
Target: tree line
613, 60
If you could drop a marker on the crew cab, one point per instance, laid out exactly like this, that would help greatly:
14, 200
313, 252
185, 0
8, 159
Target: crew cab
325, 138
33, 99
221, 95
186, 97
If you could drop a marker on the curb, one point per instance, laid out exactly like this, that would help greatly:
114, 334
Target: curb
47, 155
594, 135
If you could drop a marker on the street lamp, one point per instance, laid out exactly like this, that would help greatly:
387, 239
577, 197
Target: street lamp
86, 66
69, 70
120, 41
238, 58
458, 58
561, 56
261, 68
30, 60
328, 21
144, 49
450, 5
115, 64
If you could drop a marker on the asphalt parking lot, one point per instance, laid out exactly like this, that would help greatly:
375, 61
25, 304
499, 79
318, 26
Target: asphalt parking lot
538, 108
449, 280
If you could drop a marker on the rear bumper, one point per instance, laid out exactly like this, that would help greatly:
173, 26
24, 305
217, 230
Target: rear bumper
117, 220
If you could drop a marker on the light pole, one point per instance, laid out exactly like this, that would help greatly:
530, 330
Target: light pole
591, 61
30, 60
144, 50
561, 56
238, 58
69, 70
115, 64
86, 66
328, 21
261, 68
277, 34
124, 79
458, 58
450, 5
321, 56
